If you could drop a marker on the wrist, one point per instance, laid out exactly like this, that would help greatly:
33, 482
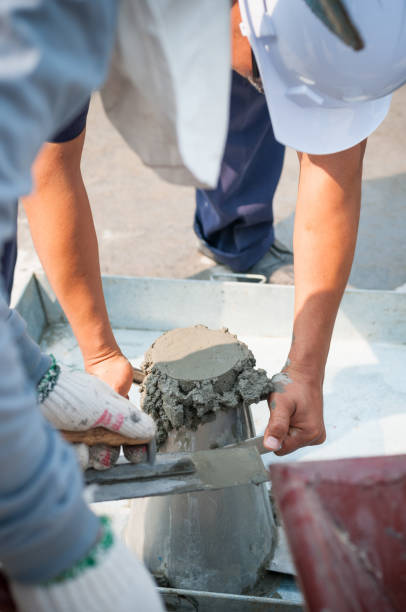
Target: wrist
95, 338
100, 353
309, 366
113, 368
108, 578
94, 556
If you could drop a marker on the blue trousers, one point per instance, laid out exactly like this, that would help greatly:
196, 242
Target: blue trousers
235, 220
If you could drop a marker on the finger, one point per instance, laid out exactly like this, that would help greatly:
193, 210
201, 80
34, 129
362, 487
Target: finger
281, 412
82, 455
129, 421
298, 438
136, 454
102, 456
293, 441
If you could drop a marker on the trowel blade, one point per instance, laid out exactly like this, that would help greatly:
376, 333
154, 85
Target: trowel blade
257, 442
179, 473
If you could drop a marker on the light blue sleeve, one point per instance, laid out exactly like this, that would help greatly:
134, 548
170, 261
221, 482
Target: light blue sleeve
35, 362
52, 54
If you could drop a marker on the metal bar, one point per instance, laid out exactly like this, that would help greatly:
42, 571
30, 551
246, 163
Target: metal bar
182, 600
179, 473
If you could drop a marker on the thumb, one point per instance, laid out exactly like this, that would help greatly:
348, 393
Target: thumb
281, 411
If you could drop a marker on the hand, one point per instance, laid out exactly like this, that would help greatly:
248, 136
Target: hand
108, 578
296, 412
115, 370
80, 401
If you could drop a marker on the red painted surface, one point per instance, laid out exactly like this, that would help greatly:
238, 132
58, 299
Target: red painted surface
346, 525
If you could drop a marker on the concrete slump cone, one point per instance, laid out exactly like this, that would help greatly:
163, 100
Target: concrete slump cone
198, 387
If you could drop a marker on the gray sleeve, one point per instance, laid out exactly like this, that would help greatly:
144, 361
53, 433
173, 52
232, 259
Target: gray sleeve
53, 53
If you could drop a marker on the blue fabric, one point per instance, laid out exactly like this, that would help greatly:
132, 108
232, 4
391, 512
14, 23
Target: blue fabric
74, 127
235, 220
35, 362
54, 52
9, 258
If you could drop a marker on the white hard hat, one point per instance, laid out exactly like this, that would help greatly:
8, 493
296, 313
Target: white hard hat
323, 96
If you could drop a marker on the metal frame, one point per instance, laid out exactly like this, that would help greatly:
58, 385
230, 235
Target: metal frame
183, 600
263, 310
246, 308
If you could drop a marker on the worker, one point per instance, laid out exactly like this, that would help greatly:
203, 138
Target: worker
324, 98
62, 227
72, 400
60, 216
327, 69
56, 553
234, 221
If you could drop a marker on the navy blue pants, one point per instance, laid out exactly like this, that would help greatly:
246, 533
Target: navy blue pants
235, 220
9, 256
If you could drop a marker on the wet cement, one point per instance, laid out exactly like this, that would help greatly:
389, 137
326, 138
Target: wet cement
194, 372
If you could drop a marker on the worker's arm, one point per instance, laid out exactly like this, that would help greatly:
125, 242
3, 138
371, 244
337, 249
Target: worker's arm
241, 58
62, 228
326, 225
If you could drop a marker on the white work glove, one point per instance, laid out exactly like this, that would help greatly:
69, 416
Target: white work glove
110, 578
77, 401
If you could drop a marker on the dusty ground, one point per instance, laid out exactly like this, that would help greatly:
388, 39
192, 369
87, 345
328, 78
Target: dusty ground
145, 225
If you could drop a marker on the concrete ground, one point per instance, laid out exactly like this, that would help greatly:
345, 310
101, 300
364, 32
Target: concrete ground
144, 225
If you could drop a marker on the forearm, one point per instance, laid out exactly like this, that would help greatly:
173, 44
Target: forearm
62, 228
326, 225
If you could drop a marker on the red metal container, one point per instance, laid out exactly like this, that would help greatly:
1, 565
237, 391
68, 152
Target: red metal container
346, 526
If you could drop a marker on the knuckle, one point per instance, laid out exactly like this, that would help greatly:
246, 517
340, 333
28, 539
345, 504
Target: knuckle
314, 430
318, 437
278, 427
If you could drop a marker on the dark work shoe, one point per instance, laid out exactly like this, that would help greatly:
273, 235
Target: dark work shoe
275, 267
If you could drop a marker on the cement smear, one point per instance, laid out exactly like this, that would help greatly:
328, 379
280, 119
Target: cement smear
194, 372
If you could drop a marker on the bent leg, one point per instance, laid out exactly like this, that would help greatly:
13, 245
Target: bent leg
235, 220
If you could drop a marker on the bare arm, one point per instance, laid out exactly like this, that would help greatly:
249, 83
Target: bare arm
62, 228
326, 225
